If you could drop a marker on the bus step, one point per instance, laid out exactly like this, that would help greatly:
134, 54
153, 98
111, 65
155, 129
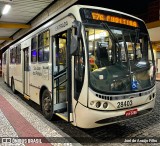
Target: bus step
26, 96
64, 115
62, 110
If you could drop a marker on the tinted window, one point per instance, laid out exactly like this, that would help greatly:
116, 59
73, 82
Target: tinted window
13, 55
18, 54
34, 46
43, 46
4, 58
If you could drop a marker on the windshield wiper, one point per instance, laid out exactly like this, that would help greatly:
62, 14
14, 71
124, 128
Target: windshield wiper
111, 33
136, 38
115, 39
137, 35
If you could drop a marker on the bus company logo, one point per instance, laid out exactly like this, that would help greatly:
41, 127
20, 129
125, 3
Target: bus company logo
131, 97
62, 25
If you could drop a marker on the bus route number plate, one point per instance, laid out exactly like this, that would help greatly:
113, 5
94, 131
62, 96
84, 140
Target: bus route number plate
131, 112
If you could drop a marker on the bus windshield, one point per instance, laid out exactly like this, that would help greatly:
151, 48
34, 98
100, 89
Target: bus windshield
120, 60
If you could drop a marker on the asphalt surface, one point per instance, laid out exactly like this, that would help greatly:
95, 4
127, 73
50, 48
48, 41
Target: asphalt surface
146, 127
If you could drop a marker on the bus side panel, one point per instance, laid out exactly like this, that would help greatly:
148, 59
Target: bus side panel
18, 78
4, 73
39, 77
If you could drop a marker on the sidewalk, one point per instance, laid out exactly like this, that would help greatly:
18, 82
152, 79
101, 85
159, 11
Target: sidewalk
22, 125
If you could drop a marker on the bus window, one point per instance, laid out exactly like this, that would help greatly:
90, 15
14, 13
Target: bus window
34, 46
46, 46
61, 51
40, 47
43, 47
13, 55
100, 48
4, 58
18, 54
123, 52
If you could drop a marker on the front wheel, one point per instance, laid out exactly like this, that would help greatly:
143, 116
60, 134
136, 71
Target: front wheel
47, 105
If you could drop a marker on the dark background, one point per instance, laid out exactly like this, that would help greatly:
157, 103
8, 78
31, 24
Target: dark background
147, 10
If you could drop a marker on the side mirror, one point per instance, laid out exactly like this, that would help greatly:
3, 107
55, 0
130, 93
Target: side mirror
77, 26
76, 34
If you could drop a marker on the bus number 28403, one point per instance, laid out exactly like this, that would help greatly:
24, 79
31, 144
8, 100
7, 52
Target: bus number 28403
124, 104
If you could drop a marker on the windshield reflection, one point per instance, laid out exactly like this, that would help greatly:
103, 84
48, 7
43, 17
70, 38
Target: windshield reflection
120, 64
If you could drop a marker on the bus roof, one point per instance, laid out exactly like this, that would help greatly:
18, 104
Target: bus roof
73, 9
105, 9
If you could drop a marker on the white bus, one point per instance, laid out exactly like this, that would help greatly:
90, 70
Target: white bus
91, 66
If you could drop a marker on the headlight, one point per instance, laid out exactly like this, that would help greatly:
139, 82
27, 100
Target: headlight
98, 104
105, 105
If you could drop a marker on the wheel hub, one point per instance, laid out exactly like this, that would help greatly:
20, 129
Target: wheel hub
47, 104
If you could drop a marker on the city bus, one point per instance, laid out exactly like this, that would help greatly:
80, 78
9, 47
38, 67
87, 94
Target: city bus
89, 65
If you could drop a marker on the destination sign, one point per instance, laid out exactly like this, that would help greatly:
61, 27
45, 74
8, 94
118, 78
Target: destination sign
114, 19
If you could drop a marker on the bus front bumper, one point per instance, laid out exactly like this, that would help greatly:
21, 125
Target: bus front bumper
89, 118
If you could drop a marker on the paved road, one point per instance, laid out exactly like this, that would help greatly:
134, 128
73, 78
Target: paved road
146, 127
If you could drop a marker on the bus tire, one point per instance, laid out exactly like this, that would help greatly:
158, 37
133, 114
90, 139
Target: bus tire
47, 105
13, 86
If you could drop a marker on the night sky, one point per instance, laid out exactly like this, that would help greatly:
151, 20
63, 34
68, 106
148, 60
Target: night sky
134, 7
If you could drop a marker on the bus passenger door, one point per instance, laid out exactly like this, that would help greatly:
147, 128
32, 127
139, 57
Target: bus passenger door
26, 72
61, 100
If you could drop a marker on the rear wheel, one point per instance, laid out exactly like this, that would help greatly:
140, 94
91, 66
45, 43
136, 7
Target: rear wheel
13, 86
47, 105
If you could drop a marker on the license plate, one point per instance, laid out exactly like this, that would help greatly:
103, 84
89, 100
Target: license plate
131, 112
124, 104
